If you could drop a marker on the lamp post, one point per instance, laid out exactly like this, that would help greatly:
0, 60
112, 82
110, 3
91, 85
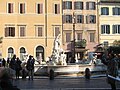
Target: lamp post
73, 55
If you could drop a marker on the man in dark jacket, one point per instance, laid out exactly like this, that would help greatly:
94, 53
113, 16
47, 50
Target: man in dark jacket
112, 68
30, 67
18, 67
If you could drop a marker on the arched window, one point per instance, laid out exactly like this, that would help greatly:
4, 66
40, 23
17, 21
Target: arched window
22, 53
40, 53
10, 52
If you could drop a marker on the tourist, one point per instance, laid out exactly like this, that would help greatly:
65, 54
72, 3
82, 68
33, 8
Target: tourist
8, 61
112, 68
3, 62
18, 67
6, 77
30, 67
0, 63
24, 70
13, 62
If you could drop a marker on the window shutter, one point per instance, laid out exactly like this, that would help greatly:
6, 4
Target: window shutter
64, 19
57, 31
22, 31
41, 8
39, 31
63, 5
22, 8
87, 5
12, 31
58, 8
87, 19
82, 18
6, 31
68, 37
11, 8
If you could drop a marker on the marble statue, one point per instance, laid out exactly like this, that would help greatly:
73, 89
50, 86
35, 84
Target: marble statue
58, 57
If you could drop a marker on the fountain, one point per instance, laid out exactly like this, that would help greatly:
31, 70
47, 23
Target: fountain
57, 62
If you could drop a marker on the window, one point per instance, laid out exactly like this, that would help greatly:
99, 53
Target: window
22, 8
10, 31
105, 29
10, 52
67, 19
68, 37
104, 11
116, 11
39, 8
116, 29
22, 30
90, 19
67, 5
57, 31
92, 37
10, 7
57, 8
78, 5
79, 36
22, 53
39, 31
39, 53
80, 19
90, 6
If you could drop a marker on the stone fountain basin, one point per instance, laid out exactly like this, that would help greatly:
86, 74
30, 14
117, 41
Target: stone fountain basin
68, 69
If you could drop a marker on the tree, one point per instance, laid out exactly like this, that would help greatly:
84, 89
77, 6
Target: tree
116, 43
81, 43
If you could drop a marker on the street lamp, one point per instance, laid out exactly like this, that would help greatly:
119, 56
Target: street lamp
73, 55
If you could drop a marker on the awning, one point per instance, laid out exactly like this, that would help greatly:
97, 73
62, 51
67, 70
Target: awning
81, 50
77, 50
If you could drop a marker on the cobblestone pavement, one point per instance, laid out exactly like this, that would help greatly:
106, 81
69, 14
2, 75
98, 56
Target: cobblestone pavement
63, 83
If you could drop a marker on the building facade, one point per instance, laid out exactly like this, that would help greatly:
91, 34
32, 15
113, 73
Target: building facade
29, 26
109, 21
84, 15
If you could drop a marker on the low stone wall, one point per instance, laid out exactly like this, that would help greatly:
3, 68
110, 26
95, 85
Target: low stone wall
68, 69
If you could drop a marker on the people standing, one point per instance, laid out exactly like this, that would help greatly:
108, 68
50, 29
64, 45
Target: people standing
13, 62
8, 61
112, 68
18, 67
3, 62
30, 67
24, 71
0, 62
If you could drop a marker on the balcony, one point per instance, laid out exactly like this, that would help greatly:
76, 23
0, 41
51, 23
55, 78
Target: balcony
110, 1
80, 43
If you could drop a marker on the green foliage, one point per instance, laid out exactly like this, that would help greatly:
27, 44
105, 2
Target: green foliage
116, 43
81, 43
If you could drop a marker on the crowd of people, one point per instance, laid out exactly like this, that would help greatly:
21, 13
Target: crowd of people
20, 68
17, 65
112, 61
